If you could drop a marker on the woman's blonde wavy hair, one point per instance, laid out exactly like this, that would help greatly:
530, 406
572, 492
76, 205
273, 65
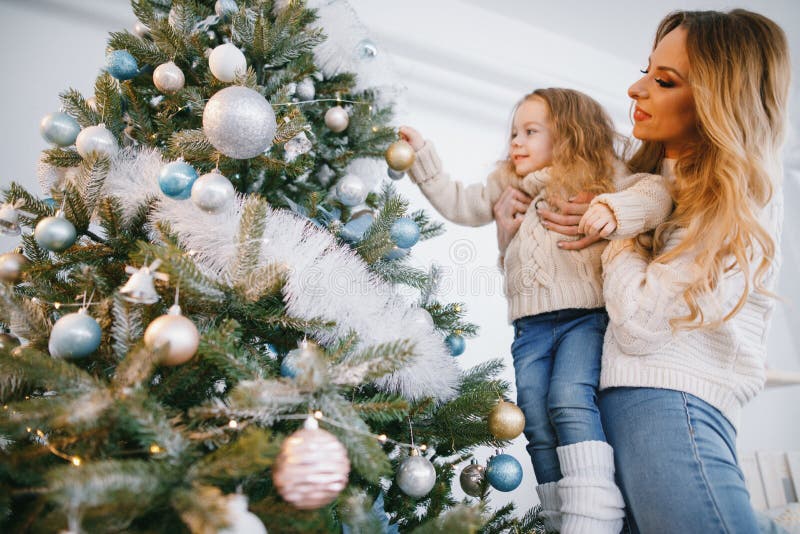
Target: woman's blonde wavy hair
739, 76
583, 142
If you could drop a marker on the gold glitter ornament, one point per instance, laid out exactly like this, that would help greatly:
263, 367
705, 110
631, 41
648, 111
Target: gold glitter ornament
506, 420
400, 156
312, 467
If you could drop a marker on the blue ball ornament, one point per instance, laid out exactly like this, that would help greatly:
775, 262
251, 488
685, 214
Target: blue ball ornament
55, 233
396, 253
60, 129
456, 344
354, 230
75, 335
50, 202
404, 232
121, 65
176, 179
288, 367
504, 472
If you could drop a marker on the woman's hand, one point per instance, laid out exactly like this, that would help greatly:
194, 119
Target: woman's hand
412, 137
509, 212
598, 220
567, 221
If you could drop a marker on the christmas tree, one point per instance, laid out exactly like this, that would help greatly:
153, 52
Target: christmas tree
211, 323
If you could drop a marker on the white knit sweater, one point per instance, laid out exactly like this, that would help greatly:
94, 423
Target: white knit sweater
723, 366
539, 276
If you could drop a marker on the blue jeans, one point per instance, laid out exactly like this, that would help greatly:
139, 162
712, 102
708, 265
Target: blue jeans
676, 463
557, 368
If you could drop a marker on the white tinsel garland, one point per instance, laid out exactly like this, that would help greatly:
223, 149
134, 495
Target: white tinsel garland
325, 281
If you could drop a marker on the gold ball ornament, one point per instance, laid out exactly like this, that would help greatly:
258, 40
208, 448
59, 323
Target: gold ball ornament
312, 467
506, 420
175, 331
400, 156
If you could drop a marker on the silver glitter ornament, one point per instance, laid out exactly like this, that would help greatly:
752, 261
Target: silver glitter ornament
351, 191
366, 49
212, 192
416, 475
226, 62
168, 78
225, 8
337, 119
296, 146
75, 335
312, 467
12, 265
59, 128
241, 520
140, 288
175, 331
305, 90
9, 218
239, 122
472, 479
96, 141
55, 233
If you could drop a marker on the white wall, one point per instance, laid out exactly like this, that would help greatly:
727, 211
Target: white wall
461, 84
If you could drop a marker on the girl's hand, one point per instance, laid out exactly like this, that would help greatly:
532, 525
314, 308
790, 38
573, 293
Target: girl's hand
598, 220
567, 221
509, 212
412, 137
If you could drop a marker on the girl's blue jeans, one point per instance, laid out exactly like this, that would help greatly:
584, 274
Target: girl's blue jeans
557, 367
676, 463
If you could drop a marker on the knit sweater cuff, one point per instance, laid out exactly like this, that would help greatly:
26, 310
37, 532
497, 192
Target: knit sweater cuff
426, 165
629, 211
587, 458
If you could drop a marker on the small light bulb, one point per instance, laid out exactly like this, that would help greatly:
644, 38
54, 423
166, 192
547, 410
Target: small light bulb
423, 447
233, 424
382, 438
374, 128
28, 429
318, 414
57, 305
155, 449
76, 461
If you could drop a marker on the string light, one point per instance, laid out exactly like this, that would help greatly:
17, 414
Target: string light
337, 100
75, 460
155, 449
233, 424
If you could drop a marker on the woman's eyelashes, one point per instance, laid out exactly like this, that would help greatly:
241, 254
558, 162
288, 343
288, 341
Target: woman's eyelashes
659, 81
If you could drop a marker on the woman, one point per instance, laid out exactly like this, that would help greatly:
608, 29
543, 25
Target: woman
686, 342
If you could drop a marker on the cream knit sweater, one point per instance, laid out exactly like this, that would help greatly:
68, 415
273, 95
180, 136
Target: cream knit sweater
723, 366
539, 276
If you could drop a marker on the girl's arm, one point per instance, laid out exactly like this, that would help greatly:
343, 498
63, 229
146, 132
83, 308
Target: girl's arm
632, 210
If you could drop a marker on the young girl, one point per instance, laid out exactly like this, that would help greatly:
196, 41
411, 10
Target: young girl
562, 143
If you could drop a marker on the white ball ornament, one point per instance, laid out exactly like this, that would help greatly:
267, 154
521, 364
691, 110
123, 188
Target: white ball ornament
96, 141
168, 78
351, 191
239, 122
240, 519
337, 119
212, 192
55, 233
75, 335
177, 333
12, 265
416, 475
305, 89
141, 29
226, 62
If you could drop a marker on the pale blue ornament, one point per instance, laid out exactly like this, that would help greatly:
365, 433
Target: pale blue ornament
121, 65
354, 230
55, 233
59, 128
96, 141
176, 179
404, 232
366, 49
75, 335
395, 175
504, 472
50, 202
456, 344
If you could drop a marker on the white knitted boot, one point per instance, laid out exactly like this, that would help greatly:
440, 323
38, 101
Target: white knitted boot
591, 502
551, 506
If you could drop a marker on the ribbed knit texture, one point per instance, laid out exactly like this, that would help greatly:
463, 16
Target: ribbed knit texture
724, 366
539, 276
591, 502
551, 506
